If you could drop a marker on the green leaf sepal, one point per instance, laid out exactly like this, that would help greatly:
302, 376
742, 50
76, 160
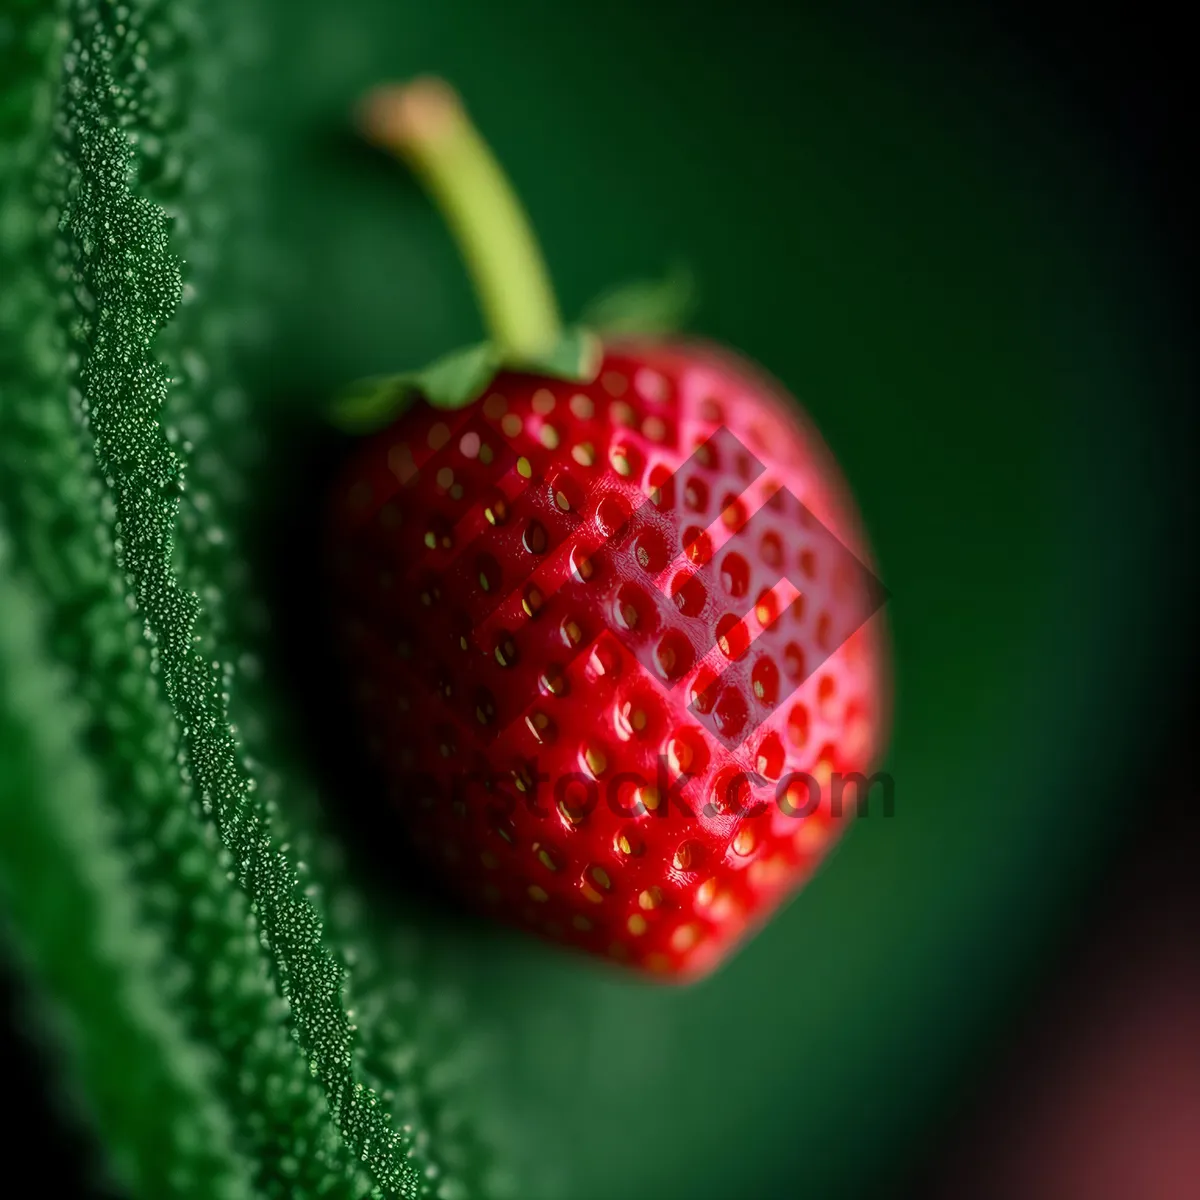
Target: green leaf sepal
646, 307
460, 377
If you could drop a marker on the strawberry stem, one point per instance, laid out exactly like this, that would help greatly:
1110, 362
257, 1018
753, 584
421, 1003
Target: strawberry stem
425, 124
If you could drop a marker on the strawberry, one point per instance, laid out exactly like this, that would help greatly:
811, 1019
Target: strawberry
611, 634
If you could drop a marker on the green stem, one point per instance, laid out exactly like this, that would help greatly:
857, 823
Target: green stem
425, 124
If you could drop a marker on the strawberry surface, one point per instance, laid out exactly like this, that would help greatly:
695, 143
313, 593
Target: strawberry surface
615, 647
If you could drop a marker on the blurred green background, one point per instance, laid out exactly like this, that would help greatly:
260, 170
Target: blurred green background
892, 215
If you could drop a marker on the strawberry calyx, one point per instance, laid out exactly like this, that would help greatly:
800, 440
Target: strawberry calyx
425, 124
459, 378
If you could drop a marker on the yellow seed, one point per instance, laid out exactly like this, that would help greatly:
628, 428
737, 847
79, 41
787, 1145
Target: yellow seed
535, 538
743, 844
706, 892
543, 401
547, 859
511, 425
584, 454
655, 428
651, 898
684, 938
400, 463
590, 894
532, 602
540, 726
679, 755
524, 467
648, 798
496, 512
636, 925
445, 477
572, 634
624, 844
683, 858
630, 720
549, 436
553, 681
571, 812
486, 454
621, 413
600, 875
768, 870
582, 406
537, 893
561, 499
620, 463
810, 837
596, 761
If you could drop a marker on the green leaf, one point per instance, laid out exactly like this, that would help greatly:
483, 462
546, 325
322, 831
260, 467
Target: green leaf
459, 378
170, 899
575, 356
650, 307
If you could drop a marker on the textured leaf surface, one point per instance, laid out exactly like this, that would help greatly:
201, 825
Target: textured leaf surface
168, 916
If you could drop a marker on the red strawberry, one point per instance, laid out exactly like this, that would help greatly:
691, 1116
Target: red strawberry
613, 647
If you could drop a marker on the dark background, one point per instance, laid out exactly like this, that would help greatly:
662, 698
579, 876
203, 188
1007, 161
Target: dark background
996, 993
1093, 1090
